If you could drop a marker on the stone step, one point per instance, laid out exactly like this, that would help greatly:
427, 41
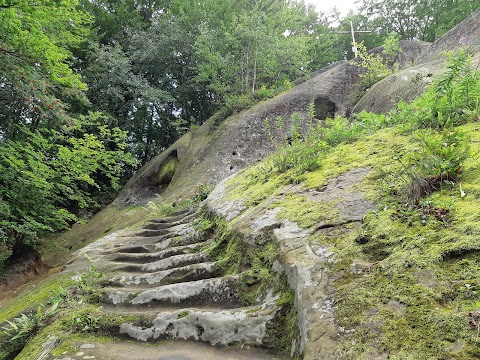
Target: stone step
152, 233
166, 242
192, 272
220, 290
247, 326
178, 215
152, 244
144, 258
119, 349
130, 249
159, 226
175, 261
171, 221
163, 264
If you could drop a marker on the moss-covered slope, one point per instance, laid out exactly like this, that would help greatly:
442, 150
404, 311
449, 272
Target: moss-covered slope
402, 273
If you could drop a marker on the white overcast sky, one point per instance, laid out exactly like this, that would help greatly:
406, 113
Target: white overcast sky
326, 5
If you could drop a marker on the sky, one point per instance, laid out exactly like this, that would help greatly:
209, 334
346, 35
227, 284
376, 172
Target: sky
326, 5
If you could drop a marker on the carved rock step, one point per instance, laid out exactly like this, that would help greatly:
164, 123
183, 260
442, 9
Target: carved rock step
176, 216
152, 233
159, 226
192, 272
163, 264
153, 244
155, 230
208, 291
235, 326
171, 221
144, 258
164, 350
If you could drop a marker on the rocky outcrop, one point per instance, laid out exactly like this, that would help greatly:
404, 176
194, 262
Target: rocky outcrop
215, 151
407, 84
305, 263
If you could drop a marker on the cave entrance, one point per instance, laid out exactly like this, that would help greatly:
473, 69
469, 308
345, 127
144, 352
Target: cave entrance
324, 108
167, 170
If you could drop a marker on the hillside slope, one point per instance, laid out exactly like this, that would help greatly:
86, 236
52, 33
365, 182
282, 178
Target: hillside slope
358, 240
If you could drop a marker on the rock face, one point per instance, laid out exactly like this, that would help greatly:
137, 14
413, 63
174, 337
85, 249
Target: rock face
305, 263
215, 151
163, 274
409, 83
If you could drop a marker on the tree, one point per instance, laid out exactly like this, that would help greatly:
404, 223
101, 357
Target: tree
417, 19
38, 86
49, 177
114, 88
56, 159
262, 43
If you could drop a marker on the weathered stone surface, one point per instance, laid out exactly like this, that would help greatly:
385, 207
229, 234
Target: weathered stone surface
165, 350
216, 151
411, 82
180, 274
306, 264
217, 328
151, 275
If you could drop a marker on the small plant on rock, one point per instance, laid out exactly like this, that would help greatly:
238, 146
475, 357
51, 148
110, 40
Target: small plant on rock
87, 284
438, 162
201, 192
377, 65
21, 329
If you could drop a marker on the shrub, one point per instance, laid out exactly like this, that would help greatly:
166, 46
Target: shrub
453, 99
377, 65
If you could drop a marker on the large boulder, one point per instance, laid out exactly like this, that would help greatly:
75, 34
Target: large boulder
411, 82
215, 151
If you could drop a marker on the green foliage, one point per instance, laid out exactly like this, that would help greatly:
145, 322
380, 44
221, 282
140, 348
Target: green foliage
244, 49
439, 161
453, 99
457, 91
38, 85
19, 330
377, 65
416, 19
22, 328
49, 177
88, 282
201, 192
305, 154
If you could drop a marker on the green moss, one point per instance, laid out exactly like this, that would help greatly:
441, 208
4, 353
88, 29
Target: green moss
34, 296
84, 322
306, 213
167, 170
284, 328
423, 278
418, 274
254, 262
254, 184
183, 314
203, 223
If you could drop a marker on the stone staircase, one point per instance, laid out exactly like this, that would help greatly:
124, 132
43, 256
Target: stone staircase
161, 274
